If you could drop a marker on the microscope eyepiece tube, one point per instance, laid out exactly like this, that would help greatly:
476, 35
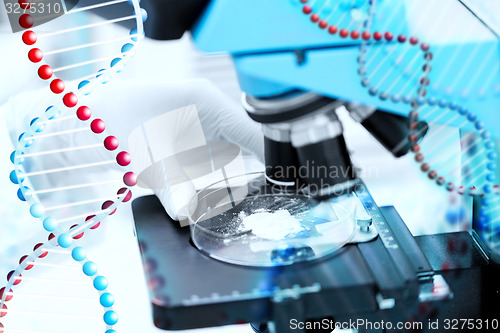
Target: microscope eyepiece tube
391, 130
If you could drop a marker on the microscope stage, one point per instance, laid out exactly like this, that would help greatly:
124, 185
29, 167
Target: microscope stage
189, 290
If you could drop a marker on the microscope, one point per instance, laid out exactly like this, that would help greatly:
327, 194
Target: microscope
381, 278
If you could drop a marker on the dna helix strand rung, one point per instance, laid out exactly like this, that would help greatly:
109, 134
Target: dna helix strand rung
398, 68
47, 293
75, 46
62, 146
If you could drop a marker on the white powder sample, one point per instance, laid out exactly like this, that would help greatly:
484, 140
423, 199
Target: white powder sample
273, 226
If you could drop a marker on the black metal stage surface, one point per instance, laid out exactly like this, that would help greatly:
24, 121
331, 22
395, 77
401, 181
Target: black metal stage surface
365, 281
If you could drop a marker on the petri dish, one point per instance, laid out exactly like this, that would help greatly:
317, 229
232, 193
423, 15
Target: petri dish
242, 220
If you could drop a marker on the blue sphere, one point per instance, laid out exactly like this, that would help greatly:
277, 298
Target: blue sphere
395, 98
110, 318
491, 166
83, 84
19, 160
453, 105
471, 117
37, 127
372, 91
420, 100
14, 178
431, 101
100, 283
23, 197
407, 99
64, 240
115, 61
490, 145
78, 253
89, 268
107, 300
492, 156
485, 135
463, 110
144, 15
49, 224
36, 210
127, 47
52, 112
110, 331
26, 139
490, 177
442, 103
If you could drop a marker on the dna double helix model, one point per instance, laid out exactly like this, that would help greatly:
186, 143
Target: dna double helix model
396, 67
63, 142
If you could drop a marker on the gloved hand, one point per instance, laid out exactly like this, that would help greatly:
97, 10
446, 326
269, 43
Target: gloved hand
124, 105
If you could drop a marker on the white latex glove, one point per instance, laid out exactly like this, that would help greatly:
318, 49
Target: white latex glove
124, 105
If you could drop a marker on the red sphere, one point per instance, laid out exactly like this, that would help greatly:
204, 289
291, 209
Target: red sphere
70, 100
37, 246
315, 18
95, 226
366, 35
51, 237
35, 55
1, 328
413, 40
108, 204
415, 148
83, 113
401, 38
24, 4
7, 297
29, 266
377, 36
419, 157
307, 10
354, 34
29, 37
26, 21
123, 158
122, 191
432, 174
57, 86
111, 143
344, 33
97, 126
388, 36
130, 179
332, 29
17, 279
304, 1
425, 167
323, 24
76, 236
428, 56
45, 72
424, 47
440, 181
3, 312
